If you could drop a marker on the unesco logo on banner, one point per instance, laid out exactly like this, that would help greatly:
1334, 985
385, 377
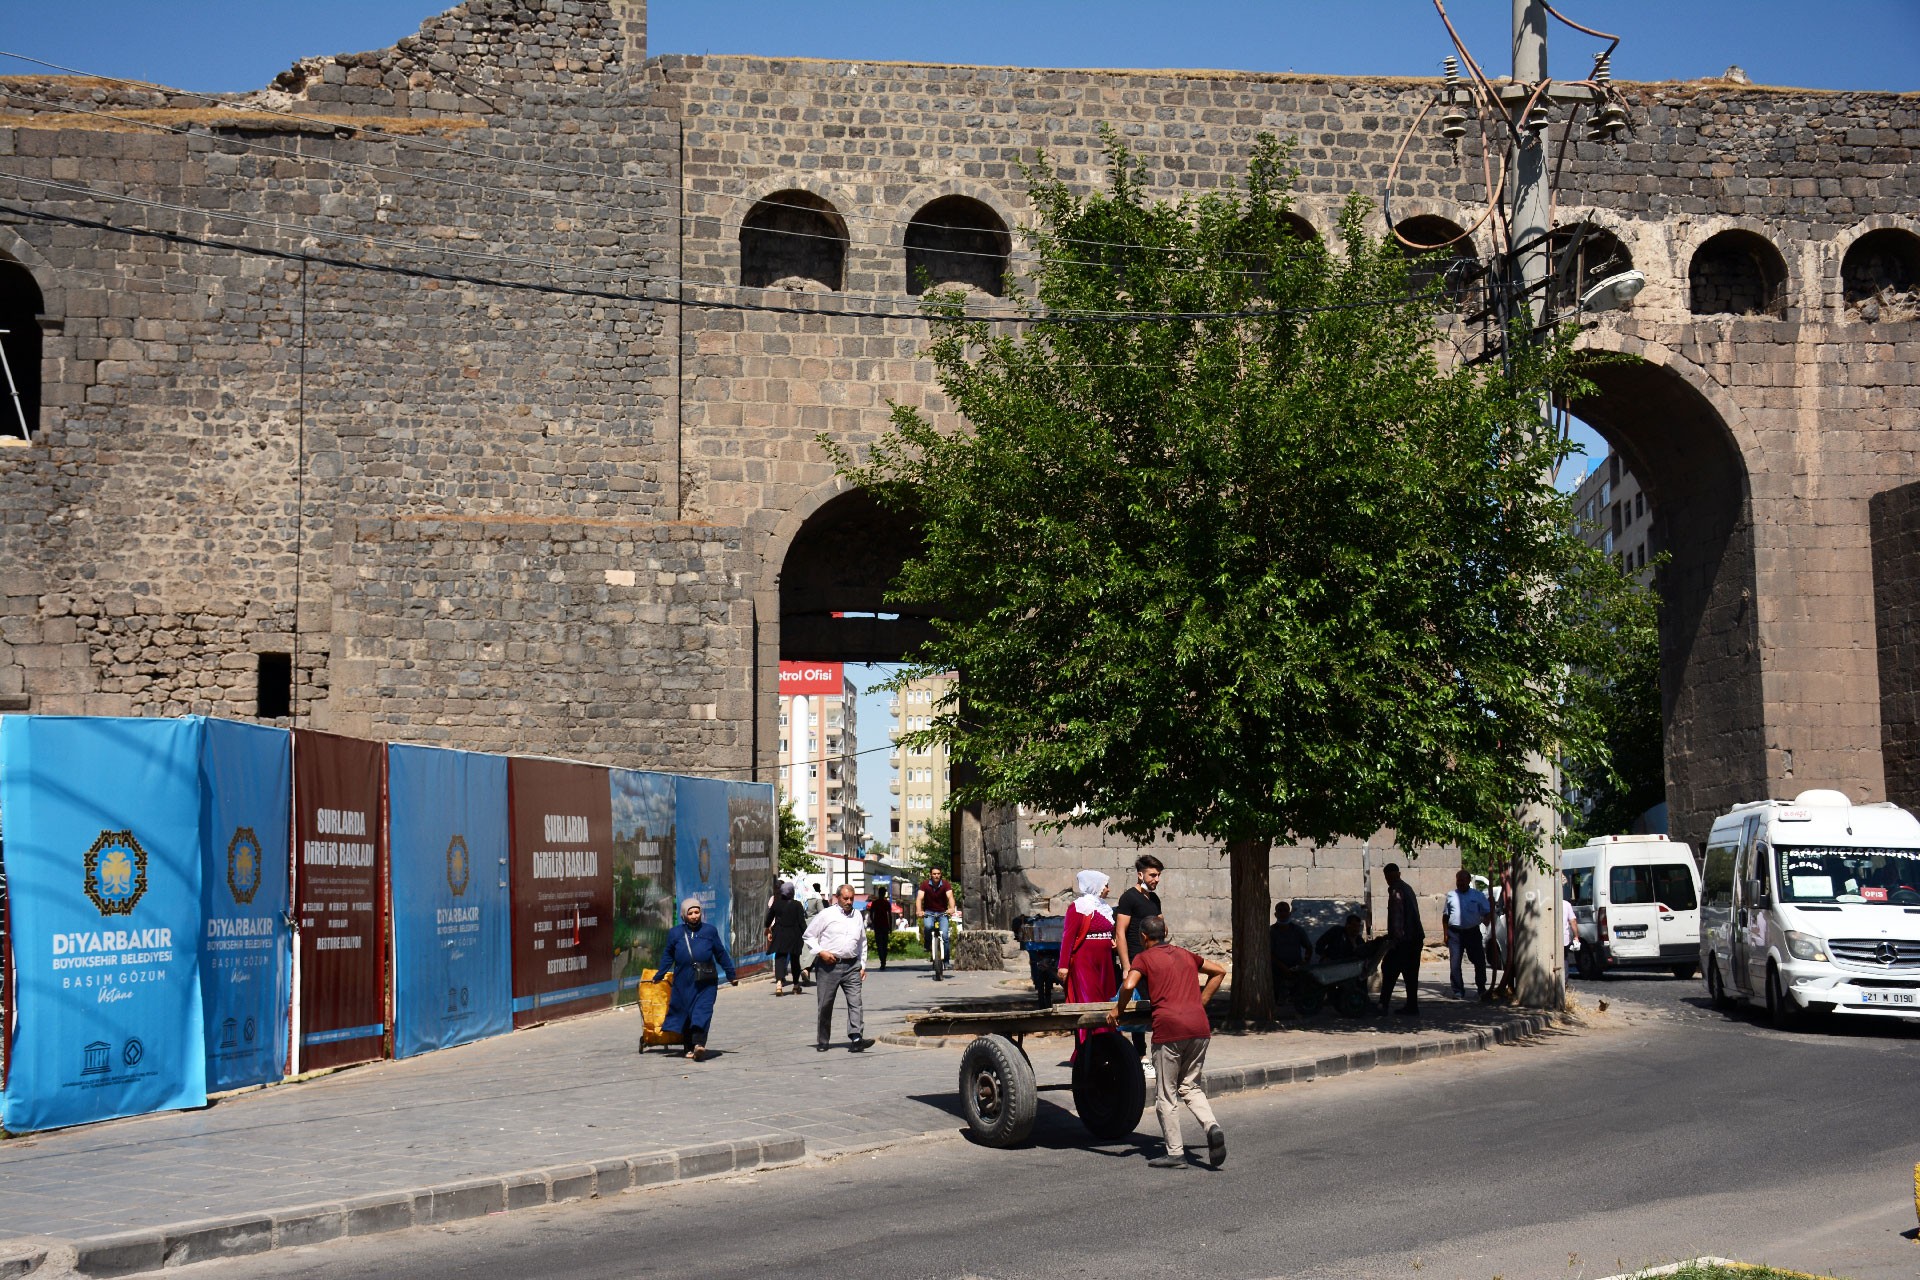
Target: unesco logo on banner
459, 866
243, 865
116, 873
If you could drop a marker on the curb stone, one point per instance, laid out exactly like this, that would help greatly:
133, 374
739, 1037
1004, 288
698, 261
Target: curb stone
1233, 1079
181, 1243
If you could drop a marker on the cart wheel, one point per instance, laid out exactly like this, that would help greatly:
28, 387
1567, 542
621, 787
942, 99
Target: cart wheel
1109, 1088
1309, 998
1350, 1001
997, 1092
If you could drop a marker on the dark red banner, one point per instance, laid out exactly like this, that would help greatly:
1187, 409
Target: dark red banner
340, 870
563, 920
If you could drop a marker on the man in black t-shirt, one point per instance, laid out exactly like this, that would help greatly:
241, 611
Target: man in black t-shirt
1137, 906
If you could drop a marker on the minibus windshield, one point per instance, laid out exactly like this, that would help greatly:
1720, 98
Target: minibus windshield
1811, 873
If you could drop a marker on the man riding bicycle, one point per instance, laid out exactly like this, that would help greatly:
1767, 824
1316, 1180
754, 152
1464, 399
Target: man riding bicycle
933, 902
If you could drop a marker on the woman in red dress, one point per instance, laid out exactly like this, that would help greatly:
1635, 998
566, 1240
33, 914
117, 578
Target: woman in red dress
1086, 947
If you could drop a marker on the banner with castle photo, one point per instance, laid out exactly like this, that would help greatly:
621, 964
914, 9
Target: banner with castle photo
700, 851
447, 838
103, 877
644, 907
562, 825
340, 872
246, 948
752, 839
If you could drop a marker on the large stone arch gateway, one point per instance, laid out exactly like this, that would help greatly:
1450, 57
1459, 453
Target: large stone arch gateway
428, 375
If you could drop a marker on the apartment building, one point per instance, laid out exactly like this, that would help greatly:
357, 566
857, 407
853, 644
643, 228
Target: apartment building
1613, 513
921, 778
819, 746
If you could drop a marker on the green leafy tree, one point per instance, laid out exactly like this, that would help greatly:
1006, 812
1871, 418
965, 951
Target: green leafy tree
1224, 548
933, 849
795, 858
1608, 794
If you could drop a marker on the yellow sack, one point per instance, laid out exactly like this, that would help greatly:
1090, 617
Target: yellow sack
653, 1011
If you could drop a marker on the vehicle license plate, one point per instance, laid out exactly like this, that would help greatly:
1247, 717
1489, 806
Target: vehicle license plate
1887, 997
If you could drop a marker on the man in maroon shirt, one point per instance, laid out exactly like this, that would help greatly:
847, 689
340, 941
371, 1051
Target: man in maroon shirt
1180, 1035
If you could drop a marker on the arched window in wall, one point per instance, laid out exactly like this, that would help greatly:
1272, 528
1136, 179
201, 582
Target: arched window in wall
1583, 255
1441, 252
1737, 273
1880, 276
955, 240
1299, 226
20, 307
793, 240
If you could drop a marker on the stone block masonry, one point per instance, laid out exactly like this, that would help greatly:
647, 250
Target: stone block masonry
443, 438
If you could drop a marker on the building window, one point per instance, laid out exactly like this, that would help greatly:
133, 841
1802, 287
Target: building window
273, 686
20, 307
793, 240
1880, 276
1737, 273
955, 240
1442, 256
1583, 256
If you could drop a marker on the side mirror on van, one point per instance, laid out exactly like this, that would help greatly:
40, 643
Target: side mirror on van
1756, 894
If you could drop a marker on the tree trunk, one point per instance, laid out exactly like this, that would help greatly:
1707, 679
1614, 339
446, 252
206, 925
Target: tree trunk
1252, 913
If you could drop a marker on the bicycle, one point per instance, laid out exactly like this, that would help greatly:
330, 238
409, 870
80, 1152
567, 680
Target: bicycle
933, 927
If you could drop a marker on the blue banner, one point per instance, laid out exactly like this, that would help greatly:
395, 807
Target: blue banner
103, 877
644, 908
700, 867
246, 947
447, 839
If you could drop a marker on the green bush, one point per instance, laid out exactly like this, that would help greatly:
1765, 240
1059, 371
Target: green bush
904, 945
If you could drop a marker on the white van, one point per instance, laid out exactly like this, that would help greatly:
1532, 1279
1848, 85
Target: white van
1814, 904
1636, 900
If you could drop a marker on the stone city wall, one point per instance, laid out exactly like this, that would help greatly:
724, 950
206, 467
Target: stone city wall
429, 483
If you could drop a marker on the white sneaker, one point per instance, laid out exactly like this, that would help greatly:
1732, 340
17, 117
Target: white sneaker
1147, 1067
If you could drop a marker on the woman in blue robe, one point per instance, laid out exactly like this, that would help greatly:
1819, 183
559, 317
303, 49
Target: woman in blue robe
693, 943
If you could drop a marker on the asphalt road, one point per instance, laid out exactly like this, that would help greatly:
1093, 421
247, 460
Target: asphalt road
1663, 1130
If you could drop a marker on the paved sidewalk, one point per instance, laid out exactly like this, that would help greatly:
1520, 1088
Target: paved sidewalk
574, 1096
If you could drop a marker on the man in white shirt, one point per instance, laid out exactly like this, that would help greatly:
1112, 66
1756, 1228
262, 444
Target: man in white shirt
839, 939
1467, 908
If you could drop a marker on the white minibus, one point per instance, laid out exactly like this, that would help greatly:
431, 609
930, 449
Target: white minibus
1813, 904
1636, 904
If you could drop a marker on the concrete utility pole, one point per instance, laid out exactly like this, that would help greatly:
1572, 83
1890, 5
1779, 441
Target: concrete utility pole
1539, 964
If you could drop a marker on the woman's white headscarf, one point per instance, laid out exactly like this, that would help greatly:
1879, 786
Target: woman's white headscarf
1090, 883
690, 902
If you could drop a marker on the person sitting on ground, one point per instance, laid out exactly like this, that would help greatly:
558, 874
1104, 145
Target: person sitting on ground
1289, 948
1341, 942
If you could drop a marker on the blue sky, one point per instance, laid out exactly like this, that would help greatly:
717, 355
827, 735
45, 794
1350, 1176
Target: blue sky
231, 45
241, 44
